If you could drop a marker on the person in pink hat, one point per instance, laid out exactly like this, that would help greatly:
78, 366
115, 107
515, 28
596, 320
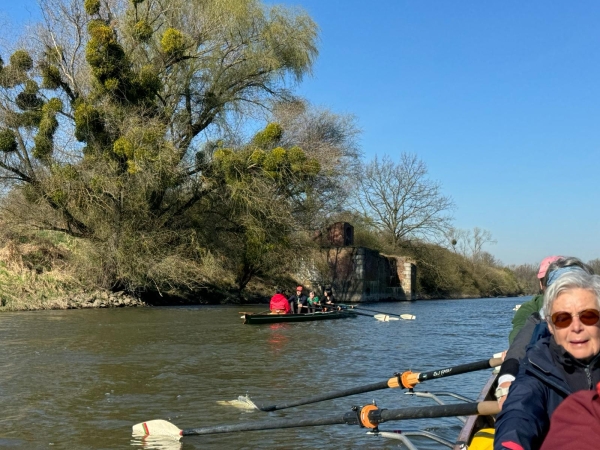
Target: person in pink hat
535, 304
298, 302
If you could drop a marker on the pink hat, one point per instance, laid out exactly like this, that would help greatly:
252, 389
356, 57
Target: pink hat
544, 265
299, 288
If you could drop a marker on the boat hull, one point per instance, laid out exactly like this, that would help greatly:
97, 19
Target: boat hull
476, 423
258, 319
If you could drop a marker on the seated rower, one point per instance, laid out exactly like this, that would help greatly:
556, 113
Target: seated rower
535, 327
313, 302
279, 304
328, 302
298, 302
566, 362
575, 423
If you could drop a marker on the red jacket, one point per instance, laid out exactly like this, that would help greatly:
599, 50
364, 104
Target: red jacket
575, 423
279, 302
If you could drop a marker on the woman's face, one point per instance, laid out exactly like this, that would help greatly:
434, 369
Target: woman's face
311, 295
581, 341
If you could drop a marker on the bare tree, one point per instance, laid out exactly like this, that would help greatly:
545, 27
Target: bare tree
401, 201
470, 243
332, 140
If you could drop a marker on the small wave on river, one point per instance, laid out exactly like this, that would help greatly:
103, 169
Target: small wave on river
80, 379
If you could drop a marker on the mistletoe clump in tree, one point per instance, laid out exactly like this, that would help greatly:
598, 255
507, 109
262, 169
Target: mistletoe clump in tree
258, 186
101, 128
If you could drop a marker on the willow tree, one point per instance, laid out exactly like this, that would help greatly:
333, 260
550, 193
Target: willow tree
103, 120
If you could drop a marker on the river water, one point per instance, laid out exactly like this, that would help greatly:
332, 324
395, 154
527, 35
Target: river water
80, 379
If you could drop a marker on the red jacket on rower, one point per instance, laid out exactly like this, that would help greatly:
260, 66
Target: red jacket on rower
575, 423
279, 303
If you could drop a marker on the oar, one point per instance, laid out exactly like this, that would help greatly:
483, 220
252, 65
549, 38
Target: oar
406, 380
243, 316
368, 416
386, 318
403, 316
383, 317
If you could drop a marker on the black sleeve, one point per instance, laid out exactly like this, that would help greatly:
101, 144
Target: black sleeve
518, 348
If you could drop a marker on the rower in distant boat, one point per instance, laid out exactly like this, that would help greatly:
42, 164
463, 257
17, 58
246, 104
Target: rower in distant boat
328, 302
313, 302
298, 302
279, 304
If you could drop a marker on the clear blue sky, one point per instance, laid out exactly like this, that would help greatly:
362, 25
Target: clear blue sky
500, 99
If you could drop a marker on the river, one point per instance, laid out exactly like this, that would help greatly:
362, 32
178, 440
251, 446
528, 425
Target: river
79, 379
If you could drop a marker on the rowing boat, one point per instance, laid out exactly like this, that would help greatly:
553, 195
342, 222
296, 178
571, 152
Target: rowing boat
258, 319
478, 431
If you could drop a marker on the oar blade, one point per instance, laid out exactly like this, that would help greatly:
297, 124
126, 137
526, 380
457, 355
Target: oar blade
385, 317
156, 428
242, 402
407, 316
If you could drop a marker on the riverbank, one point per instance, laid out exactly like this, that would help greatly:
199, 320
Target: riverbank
45, 275
98, 299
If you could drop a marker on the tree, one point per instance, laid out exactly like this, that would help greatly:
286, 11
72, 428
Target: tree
470, 243
252, 204
330, 139
102, 124
401, 201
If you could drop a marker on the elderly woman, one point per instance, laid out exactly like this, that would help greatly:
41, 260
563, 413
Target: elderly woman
535, 326
566, 362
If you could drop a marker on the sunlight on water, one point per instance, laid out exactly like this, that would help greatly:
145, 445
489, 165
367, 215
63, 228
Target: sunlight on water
82, 379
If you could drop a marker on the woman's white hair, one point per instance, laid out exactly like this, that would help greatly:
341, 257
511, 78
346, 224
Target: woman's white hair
575, 279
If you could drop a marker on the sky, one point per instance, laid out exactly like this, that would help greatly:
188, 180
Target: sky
500, 99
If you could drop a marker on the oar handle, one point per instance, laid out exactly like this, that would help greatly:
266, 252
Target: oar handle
422, 412
409, 380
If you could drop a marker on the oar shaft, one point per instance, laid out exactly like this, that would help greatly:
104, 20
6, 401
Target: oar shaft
375, 311
265, 425
328, 396
354, 311
463, 368
352, 418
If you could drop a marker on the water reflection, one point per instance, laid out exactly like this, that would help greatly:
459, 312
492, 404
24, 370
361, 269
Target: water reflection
156, 443
278, 339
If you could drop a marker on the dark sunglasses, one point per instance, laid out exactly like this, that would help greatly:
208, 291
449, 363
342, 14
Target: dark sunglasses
563, 319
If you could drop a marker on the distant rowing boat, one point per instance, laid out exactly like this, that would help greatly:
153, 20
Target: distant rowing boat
257, 319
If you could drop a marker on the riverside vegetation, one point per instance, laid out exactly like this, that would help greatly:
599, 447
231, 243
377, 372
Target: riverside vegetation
159, 155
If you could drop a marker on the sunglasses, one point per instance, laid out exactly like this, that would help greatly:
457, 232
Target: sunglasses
563, 319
